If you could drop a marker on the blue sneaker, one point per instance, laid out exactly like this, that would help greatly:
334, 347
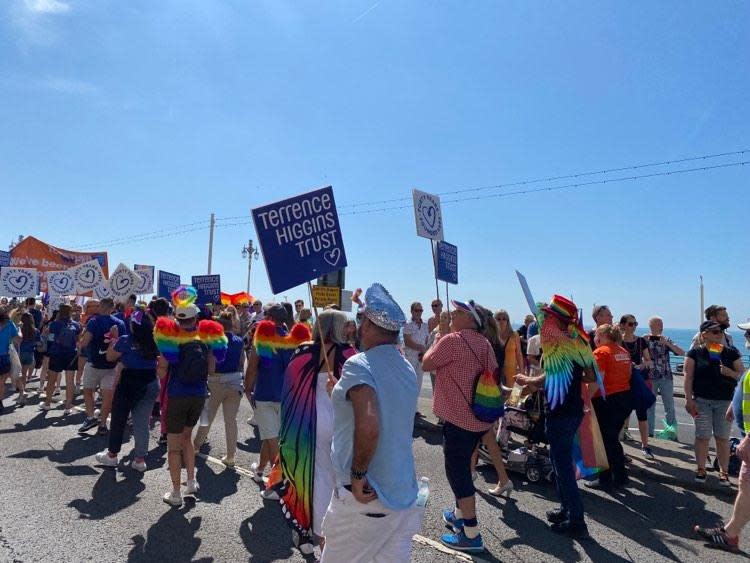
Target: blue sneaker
449, 517
460, 542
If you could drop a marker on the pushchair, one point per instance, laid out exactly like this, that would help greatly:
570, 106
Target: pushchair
531, 458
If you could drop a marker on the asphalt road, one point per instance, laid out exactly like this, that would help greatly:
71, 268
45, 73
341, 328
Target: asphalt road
57, 505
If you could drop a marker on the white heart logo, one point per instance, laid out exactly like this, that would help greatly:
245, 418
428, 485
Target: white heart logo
332, 256
87, 275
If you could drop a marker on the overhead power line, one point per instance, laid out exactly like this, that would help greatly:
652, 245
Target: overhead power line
556, 178
353, 209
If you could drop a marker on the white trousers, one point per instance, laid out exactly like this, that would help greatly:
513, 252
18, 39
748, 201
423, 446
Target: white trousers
367, 533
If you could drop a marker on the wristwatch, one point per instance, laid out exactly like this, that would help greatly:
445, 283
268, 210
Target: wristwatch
357, 475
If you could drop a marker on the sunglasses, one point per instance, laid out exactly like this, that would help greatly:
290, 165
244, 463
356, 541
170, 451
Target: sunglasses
714, 331
631, 323
436, 306
417, 310
501, 318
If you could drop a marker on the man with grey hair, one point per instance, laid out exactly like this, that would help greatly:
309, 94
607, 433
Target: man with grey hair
373, 514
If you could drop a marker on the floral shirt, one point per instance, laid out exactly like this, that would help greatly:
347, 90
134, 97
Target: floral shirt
660, 357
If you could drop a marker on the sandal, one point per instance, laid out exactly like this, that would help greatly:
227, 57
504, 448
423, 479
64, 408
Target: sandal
700, 476
724, 479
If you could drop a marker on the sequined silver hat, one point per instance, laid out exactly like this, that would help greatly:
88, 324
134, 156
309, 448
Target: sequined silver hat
382, 309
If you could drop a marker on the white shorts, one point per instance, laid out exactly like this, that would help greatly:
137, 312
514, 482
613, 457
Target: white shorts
268, 417
364, 533
98, 377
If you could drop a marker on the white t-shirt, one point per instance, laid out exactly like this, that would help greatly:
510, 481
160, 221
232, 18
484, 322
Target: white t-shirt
534, 348
419, 334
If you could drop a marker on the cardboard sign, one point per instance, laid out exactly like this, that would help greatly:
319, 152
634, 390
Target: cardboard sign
300, 238
145, 282
167, 284
102, 290
346, 300
4, 258
19, 282
88, 276
447, 262
208, 287
527, 292
55, 301
323, 296
122, 282
428, 215
61, 283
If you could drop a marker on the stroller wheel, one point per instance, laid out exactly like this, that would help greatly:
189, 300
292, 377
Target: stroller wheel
533, 474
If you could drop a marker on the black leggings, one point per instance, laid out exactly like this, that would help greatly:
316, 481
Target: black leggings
611, 414
458, 448
130, 390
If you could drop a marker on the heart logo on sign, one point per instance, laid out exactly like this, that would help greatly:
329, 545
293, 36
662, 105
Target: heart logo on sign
61, 285
332, 256
87, 276
121, 282
18, 282
429, 213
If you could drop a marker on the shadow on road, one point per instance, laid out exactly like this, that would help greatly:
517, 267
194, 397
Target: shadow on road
260, 534
215, 486
109, 496
171, 538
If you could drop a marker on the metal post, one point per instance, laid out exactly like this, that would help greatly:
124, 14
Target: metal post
447, 298
249, 263
434, 267
700, 318
252, 254
211, 241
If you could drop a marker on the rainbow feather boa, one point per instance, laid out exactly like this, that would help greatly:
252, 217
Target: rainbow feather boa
268, 341
168, 336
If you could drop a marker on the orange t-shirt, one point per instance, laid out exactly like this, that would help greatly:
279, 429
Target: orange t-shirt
614, 363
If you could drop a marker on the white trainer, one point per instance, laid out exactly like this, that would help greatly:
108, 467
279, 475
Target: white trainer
103, 458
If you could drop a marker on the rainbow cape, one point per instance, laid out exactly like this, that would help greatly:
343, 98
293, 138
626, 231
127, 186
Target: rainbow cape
714, 352
562, 349
268, 341
168, 336
293, 475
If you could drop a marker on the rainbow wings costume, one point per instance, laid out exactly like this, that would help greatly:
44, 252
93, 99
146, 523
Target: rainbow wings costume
294, 475
168, 336
563, 348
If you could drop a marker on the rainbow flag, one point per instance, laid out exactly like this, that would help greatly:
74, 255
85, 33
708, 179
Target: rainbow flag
589, 454
714, 352
241, 298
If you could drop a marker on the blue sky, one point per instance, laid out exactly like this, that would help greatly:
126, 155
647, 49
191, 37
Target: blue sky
121, 118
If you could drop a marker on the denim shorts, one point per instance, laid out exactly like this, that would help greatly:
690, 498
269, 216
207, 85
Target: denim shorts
711, 419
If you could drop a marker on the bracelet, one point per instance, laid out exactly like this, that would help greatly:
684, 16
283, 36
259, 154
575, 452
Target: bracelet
357, 475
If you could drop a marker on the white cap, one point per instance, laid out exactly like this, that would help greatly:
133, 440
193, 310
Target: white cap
744, 326
184, 313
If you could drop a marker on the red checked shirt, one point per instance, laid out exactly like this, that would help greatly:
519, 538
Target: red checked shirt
456, 370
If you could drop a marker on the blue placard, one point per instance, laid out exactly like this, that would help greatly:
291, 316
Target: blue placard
209, 288
447, 262
300, 238
167, 284
4, 258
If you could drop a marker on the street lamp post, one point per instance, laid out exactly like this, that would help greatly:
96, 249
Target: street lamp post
251, 253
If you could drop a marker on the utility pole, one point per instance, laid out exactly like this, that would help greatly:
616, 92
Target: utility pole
251, 253
211, 242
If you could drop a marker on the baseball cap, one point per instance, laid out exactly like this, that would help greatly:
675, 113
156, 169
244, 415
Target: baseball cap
184, 313
709, 325
744, 326
470, 307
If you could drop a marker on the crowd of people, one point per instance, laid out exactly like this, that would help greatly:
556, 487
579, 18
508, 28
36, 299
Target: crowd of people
335, 400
